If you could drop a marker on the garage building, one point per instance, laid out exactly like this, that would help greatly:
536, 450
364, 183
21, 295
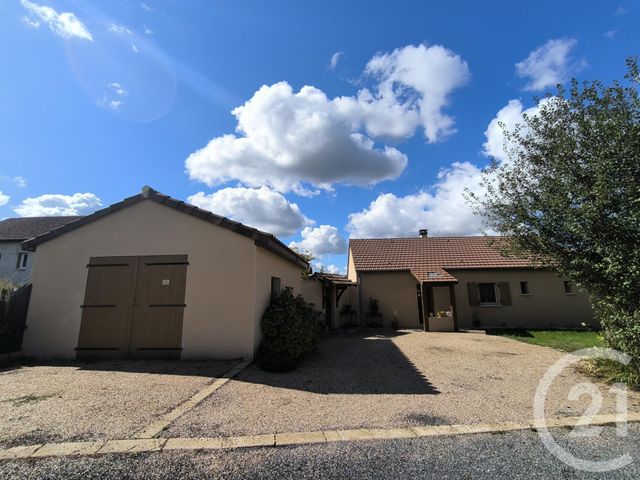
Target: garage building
154, 277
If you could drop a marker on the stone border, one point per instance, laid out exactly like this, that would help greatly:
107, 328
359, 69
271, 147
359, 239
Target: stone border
156, 427
138, 445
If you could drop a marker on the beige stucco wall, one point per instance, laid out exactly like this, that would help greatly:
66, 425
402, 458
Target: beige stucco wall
221, 288
351, 268
547, 306
270, 265
312, 292
396, 293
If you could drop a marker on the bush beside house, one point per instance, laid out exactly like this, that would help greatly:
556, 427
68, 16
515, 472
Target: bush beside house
290, 329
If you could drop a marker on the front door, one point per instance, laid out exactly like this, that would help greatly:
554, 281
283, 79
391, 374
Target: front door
133, 307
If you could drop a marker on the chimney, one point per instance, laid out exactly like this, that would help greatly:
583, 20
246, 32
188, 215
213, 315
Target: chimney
423, 233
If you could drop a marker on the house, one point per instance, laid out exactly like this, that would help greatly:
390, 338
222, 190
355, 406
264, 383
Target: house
444, 283
153, 277
15, 263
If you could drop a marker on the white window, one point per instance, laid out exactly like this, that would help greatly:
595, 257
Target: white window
22, 261
488, 293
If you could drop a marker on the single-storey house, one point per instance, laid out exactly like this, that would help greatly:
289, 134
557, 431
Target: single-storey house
444, 283
15, 263
153, 277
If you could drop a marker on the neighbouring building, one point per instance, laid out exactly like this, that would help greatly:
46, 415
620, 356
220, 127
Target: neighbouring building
15, 263
154, 277
446, 283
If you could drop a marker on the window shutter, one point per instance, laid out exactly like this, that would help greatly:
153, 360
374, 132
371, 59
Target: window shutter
474, 294
505, 293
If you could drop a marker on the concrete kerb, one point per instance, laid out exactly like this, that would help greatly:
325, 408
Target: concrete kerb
284, 439
156, 427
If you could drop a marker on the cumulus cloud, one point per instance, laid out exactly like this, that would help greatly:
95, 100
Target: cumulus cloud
508, 117
423, 78
320, 241
58, 205
442, 208
4, 199
261, 208
292, 140
549, 64
335, 58
64, 24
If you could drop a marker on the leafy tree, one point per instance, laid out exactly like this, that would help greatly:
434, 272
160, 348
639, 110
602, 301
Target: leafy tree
568, 193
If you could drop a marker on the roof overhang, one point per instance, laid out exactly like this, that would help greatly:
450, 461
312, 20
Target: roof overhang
262, 239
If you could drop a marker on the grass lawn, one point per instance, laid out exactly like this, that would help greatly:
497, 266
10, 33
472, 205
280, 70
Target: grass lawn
565, 340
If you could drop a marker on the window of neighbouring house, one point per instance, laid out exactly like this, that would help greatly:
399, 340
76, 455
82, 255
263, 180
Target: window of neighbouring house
524, 288
275, 285
568, 287
488, 293
22, 261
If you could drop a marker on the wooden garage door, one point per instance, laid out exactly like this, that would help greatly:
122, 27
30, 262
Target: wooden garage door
133, 307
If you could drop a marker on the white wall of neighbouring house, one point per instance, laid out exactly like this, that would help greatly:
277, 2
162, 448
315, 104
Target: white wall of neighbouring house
546, 306
9, 269
396, 293
219, 319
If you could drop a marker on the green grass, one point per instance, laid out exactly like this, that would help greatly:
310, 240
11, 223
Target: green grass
565, 340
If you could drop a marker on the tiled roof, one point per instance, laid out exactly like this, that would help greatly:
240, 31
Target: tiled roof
431, 259
19, 229
262, 239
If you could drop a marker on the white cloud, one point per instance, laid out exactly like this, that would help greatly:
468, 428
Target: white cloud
424, 77
64, 24
320, 241
549, 64
261, 208
146, 7
621, 10
113, 96
508, 117
289, 140
442, 209
147, 30
20, 182
58, 205
610, 34
331, 268
4, 199
335, 58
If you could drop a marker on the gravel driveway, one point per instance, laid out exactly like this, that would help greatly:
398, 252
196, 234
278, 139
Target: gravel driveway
95, 400
386, 379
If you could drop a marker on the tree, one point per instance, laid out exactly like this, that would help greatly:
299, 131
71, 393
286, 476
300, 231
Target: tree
568, 193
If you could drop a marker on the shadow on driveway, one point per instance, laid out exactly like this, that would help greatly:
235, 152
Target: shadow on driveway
358, 362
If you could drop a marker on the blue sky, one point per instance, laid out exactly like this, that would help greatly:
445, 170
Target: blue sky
363, 118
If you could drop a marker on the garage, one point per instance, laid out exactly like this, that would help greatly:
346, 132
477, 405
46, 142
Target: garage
153, 277
133, 307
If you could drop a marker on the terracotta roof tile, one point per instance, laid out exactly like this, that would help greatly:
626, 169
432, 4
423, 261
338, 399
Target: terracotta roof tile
431, 259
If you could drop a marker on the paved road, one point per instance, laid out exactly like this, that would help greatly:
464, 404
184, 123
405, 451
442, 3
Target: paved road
511, 455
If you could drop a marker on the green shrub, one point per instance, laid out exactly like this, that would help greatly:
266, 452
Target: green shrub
290, 329
621, 330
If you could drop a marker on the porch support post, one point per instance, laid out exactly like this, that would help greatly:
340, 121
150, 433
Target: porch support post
452, 300
425, 318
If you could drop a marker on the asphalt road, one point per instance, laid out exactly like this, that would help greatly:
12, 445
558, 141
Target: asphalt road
511, 455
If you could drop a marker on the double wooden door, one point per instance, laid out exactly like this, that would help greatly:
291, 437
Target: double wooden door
133, 307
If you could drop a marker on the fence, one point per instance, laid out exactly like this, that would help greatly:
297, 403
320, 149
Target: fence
13, 316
